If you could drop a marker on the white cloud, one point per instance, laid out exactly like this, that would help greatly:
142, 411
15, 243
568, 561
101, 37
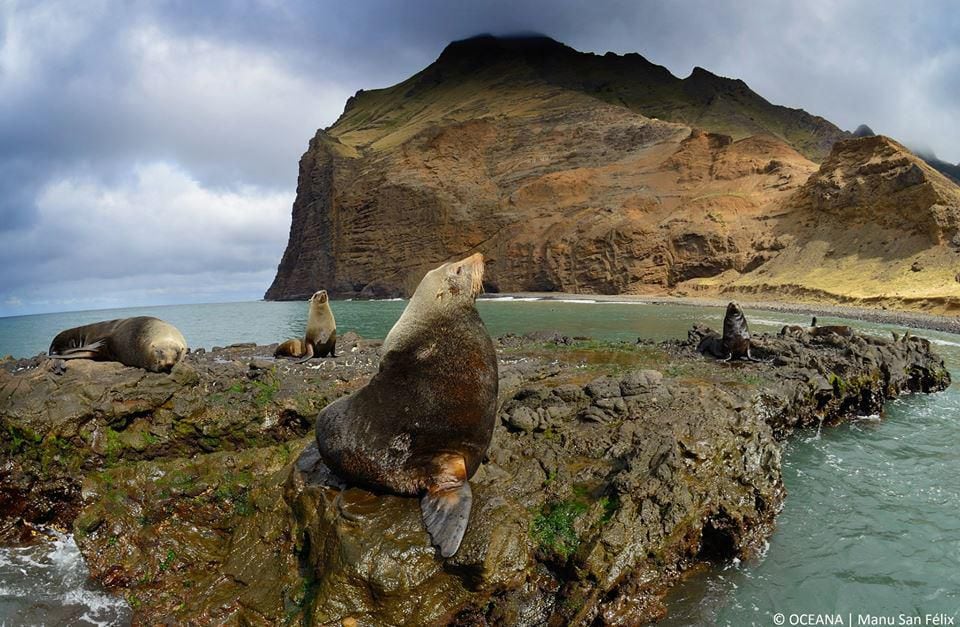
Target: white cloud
157, 233
161, 219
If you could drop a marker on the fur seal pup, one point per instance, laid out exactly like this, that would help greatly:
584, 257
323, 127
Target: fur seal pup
320, 339
735, 342
423, 423
141, 342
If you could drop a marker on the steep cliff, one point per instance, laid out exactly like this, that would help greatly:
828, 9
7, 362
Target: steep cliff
571, 172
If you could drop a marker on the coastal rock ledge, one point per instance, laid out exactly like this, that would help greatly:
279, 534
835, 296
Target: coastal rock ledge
615, 467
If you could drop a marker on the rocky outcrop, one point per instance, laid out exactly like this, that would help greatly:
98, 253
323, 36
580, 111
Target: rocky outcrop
60, 427
876, 181
561, 191
614, 467
875, 224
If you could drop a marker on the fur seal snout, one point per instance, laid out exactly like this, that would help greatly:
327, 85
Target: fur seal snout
142, 342
423, 423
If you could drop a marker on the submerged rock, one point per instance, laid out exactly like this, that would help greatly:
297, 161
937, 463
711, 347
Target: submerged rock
200, 496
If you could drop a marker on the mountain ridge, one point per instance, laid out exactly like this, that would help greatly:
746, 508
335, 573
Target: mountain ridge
702, 99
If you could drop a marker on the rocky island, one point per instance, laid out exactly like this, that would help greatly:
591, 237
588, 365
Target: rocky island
615, 467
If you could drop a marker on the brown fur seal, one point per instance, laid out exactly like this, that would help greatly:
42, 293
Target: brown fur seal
142, 342
839, 329
423, 423
735, 343
792, 329
320, 339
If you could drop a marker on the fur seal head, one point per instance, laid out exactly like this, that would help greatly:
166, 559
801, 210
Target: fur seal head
442, 293
166, 345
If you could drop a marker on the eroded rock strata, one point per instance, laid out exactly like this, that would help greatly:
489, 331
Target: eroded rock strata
614, 467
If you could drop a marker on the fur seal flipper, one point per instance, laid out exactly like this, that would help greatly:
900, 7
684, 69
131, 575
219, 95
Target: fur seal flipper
88, 351
423, 423
445, 515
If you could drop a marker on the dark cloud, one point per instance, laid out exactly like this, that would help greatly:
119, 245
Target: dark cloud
224, 96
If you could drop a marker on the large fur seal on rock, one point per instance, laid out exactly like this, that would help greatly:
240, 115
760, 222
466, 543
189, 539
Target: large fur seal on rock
320, 339
735, 342
141, 342
423, 423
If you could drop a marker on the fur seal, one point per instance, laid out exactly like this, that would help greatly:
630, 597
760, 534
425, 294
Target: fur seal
735, 343
423, 423
142, 342
792, 329
320, 339
839, 329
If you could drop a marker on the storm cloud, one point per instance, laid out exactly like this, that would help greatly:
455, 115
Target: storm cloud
148, 151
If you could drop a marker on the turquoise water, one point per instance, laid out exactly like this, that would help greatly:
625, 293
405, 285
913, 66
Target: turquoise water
871, 524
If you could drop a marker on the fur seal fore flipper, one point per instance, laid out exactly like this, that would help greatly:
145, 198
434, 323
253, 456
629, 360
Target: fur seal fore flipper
308, 355
445, 515
83, 352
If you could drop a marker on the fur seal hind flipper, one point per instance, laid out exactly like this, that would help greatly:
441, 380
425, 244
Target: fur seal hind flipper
83, 352
445, 515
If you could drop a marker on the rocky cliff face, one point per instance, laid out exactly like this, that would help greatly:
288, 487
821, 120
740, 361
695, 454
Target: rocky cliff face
580, 173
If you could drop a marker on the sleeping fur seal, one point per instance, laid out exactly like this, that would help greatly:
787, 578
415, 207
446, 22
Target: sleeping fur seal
423, 423
141, 342
320, 339
735, 343
839, 329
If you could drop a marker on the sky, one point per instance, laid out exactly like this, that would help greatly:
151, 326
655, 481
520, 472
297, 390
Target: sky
149, 150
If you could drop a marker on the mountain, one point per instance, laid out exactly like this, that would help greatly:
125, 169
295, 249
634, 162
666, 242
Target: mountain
573, 172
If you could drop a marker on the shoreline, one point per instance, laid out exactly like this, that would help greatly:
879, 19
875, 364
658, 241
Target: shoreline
915, 320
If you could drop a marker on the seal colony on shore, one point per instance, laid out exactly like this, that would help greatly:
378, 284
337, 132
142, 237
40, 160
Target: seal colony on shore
423, 423
320, 338
142, 342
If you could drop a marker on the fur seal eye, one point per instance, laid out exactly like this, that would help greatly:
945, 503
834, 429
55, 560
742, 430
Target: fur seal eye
459, 269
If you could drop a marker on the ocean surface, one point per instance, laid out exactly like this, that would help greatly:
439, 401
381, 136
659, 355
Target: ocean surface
871, 525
